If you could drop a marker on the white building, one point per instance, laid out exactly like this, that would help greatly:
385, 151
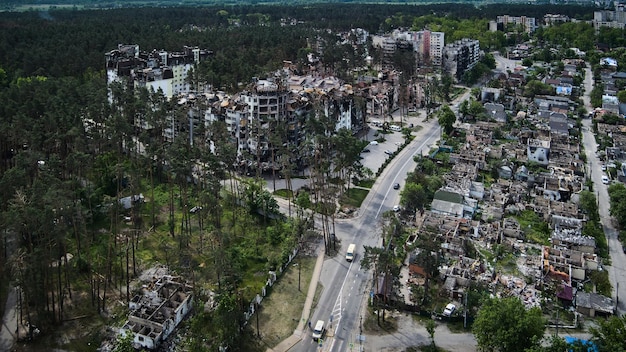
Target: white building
612, 19
538, 150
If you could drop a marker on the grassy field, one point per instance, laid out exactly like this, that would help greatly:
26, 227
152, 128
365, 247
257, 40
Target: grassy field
281, 310
353, 197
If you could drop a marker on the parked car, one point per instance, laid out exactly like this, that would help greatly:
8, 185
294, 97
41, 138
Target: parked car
605, 179
396, 186
388, 152
450, 308
396, 208
374, 143
365, 150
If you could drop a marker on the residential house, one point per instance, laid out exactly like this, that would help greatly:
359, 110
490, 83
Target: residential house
450, 202
488, 94
592, 304
538, 150
496, 112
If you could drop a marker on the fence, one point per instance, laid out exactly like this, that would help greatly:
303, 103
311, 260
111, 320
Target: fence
256, 301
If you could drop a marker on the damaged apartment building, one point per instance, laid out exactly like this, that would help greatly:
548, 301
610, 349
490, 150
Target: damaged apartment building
277, 106
156, 70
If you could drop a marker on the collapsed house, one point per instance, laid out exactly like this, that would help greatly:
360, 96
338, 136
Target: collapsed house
157, 311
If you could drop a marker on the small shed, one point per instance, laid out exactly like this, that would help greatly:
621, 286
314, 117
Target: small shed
566, 295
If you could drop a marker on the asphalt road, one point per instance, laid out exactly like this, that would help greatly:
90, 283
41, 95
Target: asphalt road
503, 64
347, 285
617, 269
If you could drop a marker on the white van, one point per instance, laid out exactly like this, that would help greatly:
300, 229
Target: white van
350, 252
318, 331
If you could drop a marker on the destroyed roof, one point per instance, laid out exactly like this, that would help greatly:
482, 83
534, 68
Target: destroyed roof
570, 236
594, 301
566, 292
448, 196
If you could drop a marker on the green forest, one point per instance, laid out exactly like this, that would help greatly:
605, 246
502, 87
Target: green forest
65, 159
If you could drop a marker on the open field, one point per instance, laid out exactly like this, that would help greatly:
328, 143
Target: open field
280, 312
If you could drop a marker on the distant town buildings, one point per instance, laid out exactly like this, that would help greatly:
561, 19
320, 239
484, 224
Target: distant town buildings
612, 19
552, 19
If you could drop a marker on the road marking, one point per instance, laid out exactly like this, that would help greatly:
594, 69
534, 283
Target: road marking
433, 130
335, 315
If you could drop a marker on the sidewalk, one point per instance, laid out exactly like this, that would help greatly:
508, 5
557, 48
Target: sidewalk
300, 333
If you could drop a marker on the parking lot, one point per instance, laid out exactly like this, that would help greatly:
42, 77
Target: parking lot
380, 151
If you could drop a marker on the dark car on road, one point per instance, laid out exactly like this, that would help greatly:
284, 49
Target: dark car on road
396, 186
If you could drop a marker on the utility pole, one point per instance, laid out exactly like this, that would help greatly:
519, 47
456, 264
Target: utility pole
557, 322
465, 310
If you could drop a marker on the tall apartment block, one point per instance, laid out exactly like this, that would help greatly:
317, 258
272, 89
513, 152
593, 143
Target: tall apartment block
427, 45
460, 56
529, 24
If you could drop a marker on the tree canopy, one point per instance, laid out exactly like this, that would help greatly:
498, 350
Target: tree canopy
505, 325
610, 335
446, 119
617, 194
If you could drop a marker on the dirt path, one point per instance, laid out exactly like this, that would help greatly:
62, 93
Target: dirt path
9, 321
